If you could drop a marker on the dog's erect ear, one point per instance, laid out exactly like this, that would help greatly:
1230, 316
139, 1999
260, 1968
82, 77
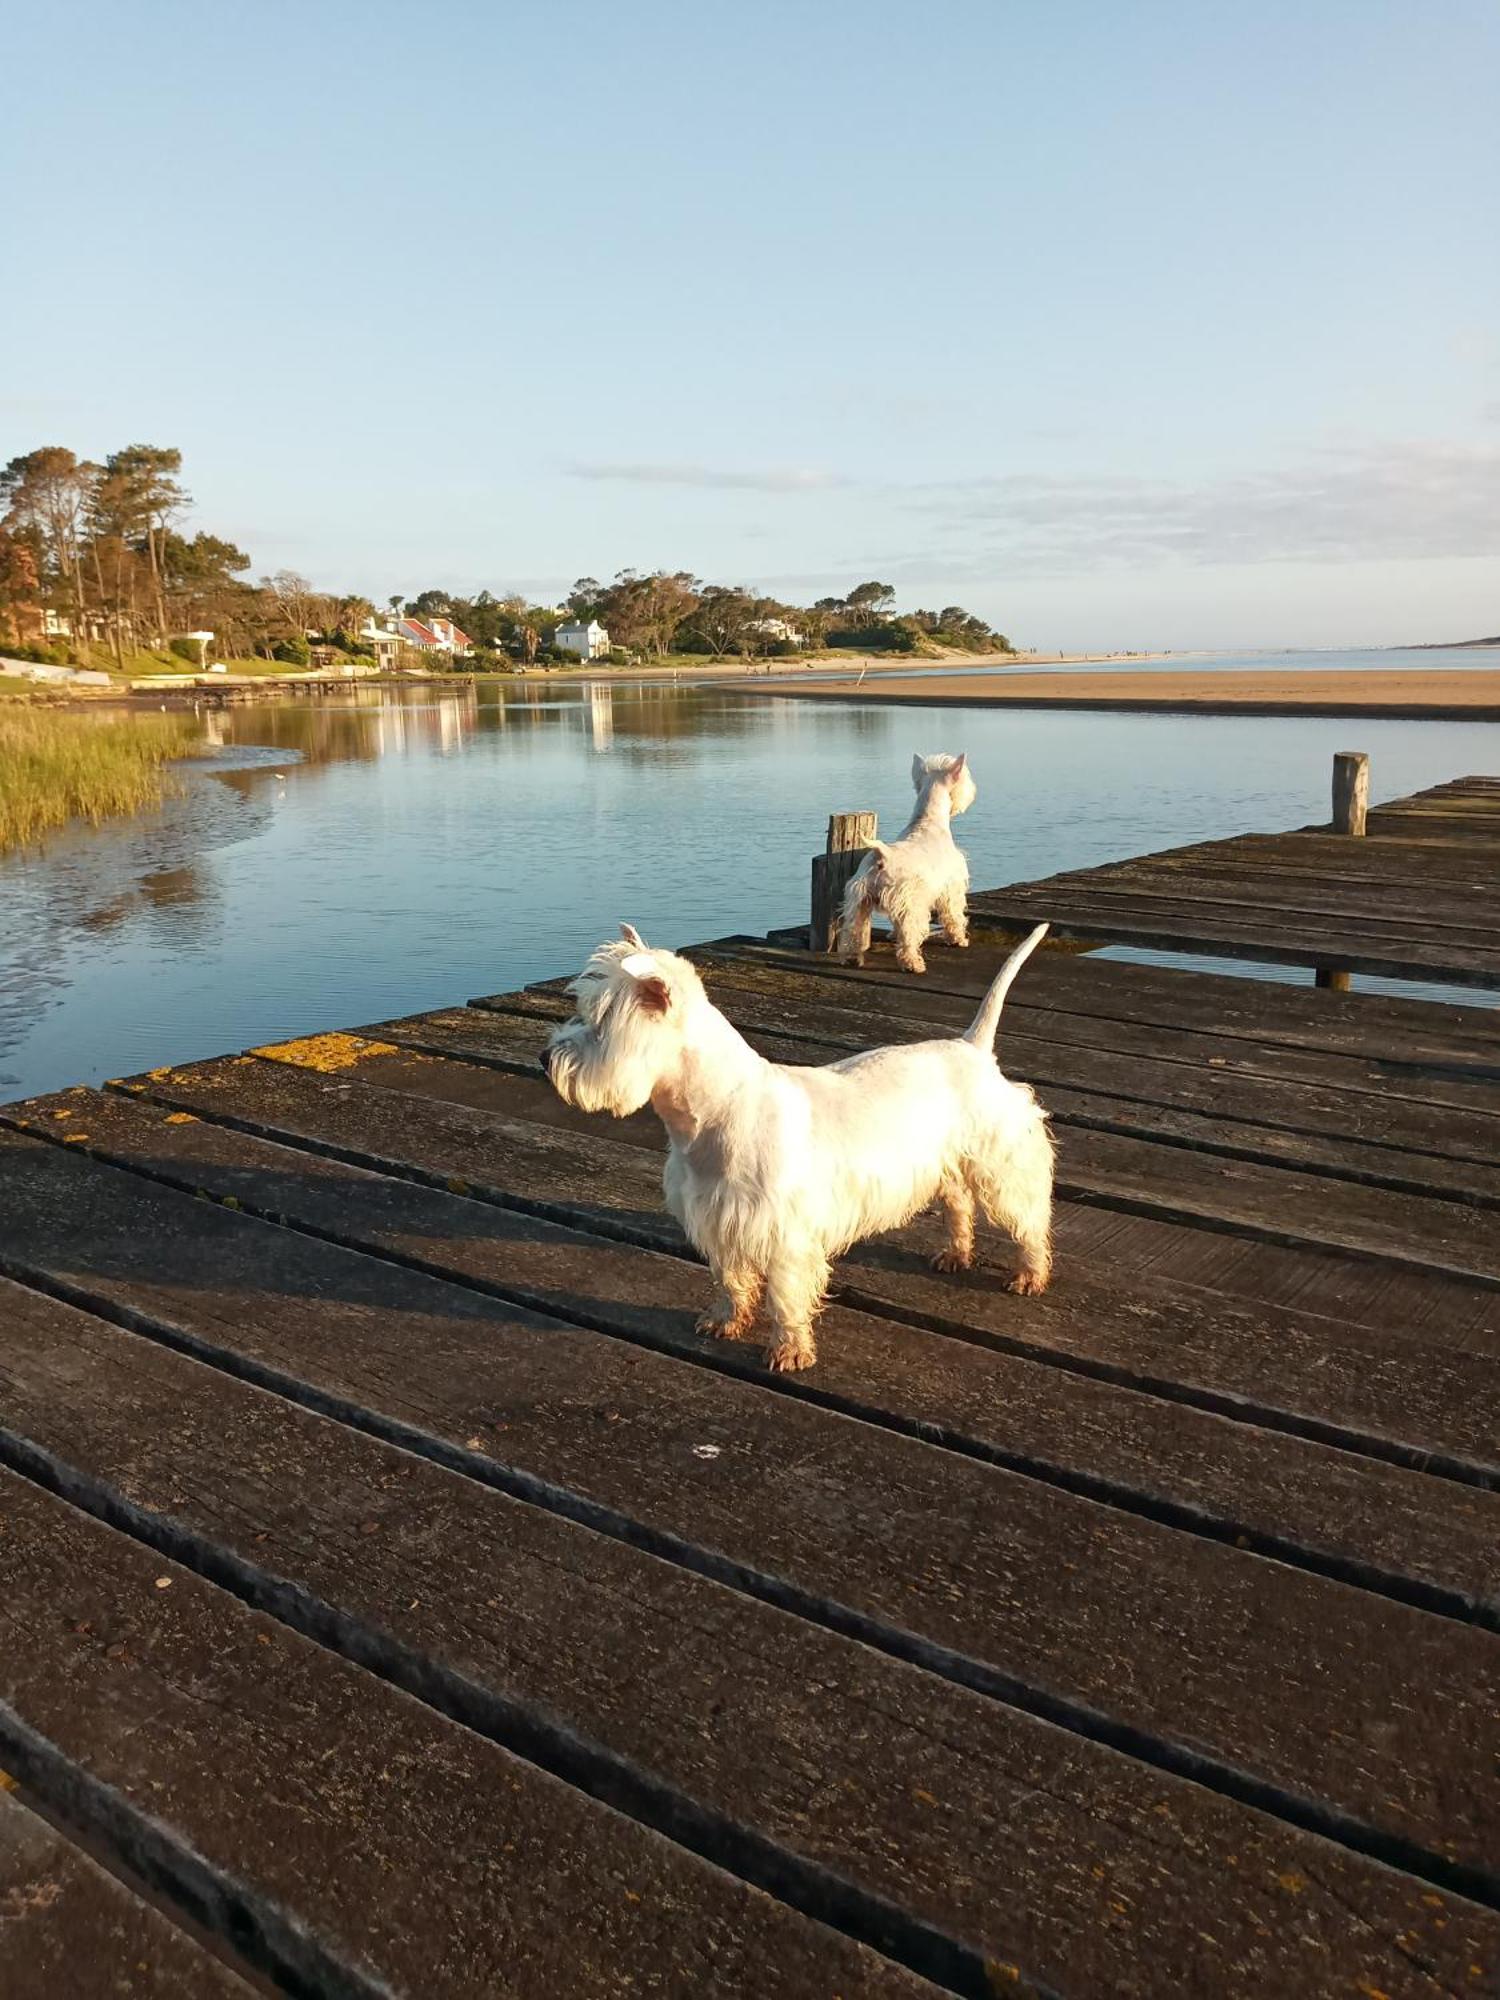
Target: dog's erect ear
956, 768
918, 771
632, 936
651, 990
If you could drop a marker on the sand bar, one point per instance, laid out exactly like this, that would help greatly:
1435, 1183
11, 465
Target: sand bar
1427, 692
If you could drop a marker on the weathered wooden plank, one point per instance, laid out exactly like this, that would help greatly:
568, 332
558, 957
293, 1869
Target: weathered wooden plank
1372, 1294
360, 1842
1159, 924
1313, 859
1259, 1197
1058, 1861
1430, 1542
1389, 857
1429, 912
581, 1170
1135, 1303
1420, 1034
1331, 1096
1373, 1164
1255, 1196
925, 1008
1403, 1375
1319, 866
71, 1931
1128, 1630
1411, 1147
512, 1040
1402, 863
1176, 895
1279, 1203
1474, 818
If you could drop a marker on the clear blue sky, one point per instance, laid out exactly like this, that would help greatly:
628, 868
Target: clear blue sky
1169, 323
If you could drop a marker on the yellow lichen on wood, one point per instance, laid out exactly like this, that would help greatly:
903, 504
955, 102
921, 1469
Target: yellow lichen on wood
327, 1053
181, 1118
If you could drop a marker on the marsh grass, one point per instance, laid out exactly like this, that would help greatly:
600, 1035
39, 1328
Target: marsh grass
57, 766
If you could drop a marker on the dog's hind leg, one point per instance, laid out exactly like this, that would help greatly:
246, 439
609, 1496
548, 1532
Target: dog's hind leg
794, 1292
853, 939
1016, 1193
952, 914
958, 1205
732, 1314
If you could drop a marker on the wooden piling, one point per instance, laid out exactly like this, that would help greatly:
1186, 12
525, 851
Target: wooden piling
1351, 791
1351, 801
850, 835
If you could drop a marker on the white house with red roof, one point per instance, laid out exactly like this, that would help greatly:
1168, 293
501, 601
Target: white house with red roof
434, 635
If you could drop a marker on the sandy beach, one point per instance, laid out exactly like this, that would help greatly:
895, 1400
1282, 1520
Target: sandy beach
1424, 692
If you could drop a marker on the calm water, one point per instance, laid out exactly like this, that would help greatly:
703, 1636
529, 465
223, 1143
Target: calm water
401, 849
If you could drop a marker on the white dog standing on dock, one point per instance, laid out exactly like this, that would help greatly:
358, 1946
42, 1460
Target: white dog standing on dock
773, 1171
917, 876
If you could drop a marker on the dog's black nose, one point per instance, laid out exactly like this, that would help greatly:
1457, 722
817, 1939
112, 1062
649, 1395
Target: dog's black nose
545, 1059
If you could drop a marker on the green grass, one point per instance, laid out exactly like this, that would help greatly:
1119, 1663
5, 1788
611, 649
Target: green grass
57, 766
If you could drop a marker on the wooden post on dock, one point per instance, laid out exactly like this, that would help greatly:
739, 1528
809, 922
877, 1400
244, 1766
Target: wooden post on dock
1351, 800
849, 838
1351, 790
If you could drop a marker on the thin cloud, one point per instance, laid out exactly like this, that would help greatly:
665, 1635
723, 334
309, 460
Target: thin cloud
729, 479
1345, 503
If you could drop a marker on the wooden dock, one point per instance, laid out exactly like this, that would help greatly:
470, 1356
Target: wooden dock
1418, 898
401, 1597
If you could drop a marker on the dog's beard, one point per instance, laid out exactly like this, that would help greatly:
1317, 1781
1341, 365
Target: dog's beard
591, 1076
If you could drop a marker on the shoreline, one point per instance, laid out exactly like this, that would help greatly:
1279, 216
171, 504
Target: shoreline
1429, 694
1120, 683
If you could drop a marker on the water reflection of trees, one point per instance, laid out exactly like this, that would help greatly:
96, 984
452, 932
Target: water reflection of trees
177, 905
361, 726
643, 719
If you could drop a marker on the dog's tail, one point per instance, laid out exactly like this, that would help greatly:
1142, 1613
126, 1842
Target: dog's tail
980, 1033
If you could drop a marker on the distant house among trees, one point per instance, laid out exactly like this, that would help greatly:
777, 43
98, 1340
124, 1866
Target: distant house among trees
589, 641
434, 635
778, 628
384, 642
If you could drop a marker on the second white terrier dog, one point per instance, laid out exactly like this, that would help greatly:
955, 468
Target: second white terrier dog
773, 1171
920, 874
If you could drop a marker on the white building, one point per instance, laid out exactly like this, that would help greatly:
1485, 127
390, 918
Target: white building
385, 642
589, 642
778, 628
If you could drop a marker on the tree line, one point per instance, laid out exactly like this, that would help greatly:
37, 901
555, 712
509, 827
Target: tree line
658, 612
103, 548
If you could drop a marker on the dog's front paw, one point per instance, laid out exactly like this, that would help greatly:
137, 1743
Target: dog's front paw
1027, 1284
912, 964
719, 1328
789, 1355
953, 1260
